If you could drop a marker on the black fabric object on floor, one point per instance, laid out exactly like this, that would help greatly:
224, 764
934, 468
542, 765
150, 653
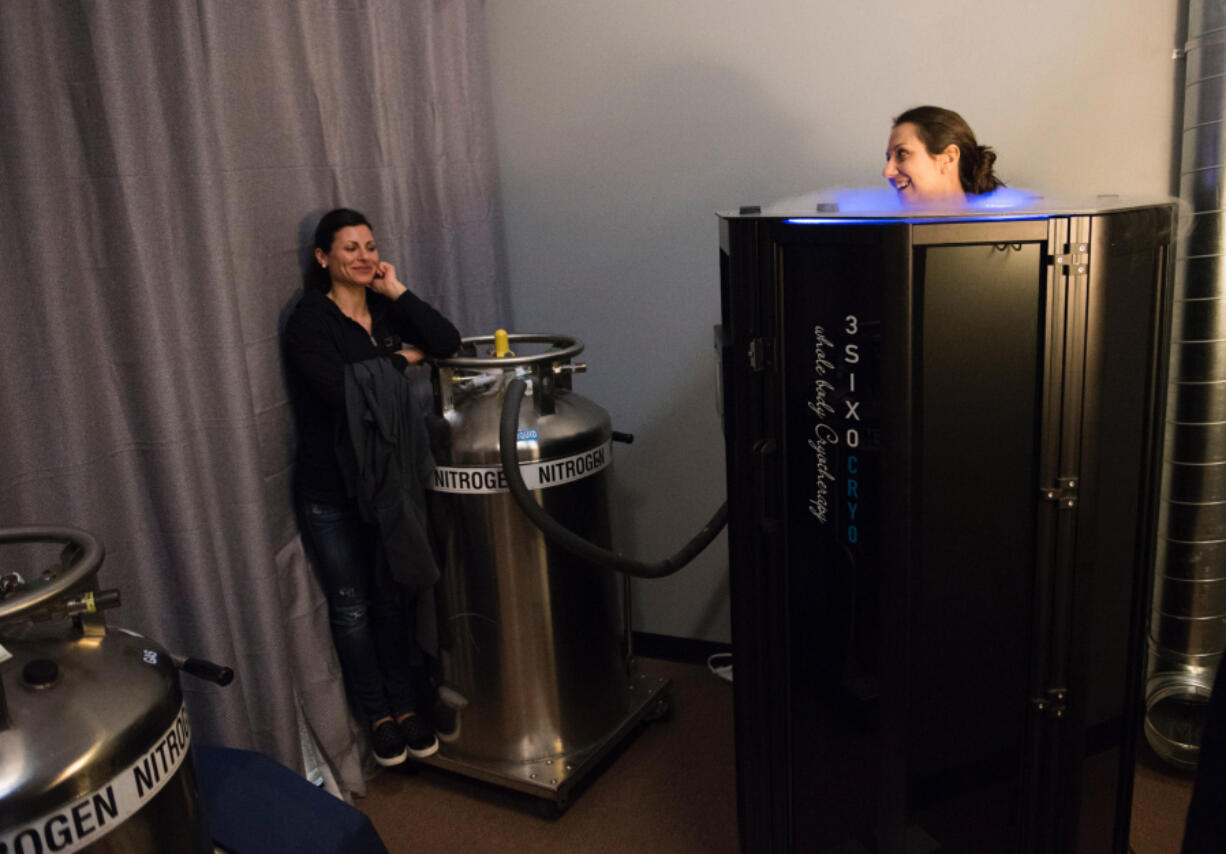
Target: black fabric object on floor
257, 806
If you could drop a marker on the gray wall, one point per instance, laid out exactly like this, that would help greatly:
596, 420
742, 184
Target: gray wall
622, 126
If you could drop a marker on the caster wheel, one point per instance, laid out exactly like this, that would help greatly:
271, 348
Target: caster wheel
550, 810
660, 710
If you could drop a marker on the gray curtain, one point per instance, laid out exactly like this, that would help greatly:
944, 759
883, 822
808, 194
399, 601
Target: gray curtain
162, 166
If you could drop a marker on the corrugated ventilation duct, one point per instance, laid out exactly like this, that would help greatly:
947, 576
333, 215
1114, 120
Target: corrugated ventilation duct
1187, 629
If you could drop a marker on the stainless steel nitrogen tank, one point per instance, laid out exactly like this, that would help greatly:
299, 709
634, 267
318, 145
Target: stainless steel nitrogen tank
94, 734
534, 644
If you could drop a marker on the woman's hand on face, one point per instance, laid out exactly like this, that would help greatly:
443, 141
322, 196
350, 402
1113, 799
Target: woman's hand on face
385, 281
412, 355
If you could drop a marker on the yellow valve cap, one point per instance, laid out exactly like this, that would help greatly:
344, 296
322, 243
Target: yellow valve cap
502, 344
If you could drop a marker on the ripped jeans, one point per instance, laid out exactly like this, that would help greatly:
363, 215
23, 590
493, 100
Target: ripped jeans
370, 623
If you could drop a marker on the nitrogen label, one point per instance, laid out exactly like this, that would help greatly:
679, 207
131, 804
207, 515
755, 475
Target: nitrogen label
86, 820
481, 480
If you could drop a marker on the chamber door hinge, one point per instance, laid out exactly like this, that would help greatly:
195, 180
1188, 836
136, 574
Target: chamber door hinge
1064, 493
1053, 703
1074, 260
759, 354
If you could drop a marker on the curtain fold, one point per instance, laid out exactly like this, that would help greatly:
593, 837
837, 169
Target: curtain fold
162, 165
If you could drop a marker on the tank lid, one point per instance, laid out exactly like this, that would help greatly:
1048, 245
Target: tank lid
82, 711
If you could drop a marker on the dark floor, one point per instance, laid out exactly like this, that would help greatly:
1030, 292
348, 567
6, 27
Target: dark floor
1159, 805
671, 790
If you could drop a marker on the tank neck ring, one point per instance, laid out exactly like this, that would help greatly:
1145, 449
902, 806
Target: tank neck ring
563, 348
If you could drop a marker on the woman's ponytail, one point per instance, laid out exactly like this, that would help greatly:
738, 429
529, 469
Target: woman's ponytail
981, 177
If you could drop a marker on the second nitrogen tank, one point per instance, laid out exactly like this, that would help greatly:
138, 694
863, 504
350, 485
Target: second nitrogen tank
533, 641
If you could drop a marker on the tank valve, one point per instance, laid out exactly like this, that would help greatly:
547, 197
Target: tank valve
568, 368
502, 344
90, 602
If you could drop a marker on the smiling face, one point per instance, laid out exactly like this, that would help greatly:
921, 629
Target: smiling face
919, 176
353, 258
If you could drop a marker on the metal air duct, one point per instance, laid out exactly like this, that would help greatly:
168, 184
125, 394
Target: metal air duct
1187, 629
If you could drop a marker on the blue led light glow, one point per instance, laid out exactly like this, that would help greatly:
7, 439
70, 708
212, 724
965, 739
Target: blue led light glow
877, 220
1003, 198
882, 205
885, 199
863, 199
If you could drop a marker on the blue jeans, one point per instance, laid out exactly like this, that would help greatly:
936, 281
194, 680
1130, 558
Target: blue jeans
370, 622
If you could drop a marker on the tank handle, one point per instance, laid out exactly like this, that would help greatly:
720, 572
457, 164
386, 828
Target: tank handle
204, 669
201, 668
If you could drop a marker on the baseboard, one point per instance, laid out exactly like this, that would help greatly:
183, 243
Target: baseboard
671, 648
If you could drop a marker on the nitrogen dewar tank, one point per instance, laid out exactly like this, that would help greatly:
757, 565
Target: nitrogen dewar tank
534, 642
94, 733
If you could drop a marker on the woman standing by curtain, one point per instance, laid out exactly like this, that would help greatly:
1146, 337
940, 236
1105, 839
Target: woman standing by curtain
356, 310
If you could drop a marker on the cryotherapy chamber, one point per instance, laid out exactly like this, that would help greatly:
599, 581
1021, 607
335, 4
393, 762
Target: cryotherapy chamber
943, 442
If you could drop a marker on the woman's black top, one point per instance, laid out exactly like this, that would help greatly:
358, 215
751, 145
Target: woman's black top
319, 342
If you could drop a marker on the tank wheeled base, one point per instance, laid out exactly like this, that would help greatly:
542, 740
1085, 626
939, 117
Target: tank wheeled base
554, 778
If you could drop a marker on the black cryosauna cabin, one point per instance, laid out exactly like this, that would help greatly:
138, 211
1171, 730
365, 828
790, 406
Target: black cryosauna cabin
943, 444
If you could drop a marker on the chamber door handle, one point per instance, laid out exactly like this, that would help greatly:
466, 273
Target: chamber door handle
765, 453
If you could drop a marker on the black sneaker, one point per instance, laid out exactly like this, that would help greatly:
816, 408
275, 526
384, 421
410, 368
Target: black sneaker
387, 742
419, 733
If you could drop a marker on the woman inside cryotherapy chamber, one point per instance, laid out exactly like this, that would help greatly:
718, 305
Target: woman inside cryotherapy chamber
933, 162
933, 159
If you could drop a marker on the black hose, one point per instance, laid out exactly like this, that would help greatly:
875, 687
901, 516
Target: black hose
508, 430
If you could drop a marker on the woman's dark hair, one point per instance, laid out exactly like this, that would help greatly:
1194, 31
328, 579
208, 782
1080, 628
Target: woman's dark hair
329, 224
938, 129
